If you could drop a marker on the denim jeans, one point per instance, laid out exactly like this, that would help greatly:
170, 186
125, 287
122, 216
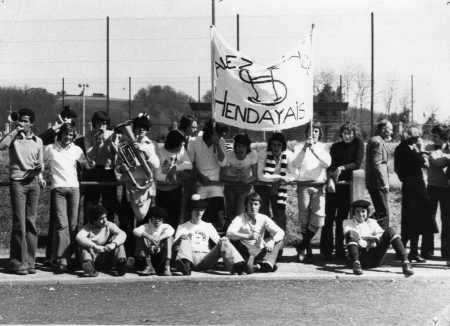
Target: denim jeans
234, 200
65, 206
261, 255
24, 198
311, 206
205, 260
269, 200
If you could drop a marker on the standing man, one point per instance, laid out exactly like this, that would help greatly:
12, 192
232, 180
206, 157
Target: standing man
26, 162
97, 143
377, 181
438, 190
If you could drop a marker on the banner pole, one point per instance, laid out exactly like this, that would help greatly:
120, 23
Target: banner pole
213, 91
311, 121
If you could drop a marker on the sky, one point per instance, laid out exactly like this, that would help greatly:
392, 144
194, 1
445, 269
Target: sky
166, 42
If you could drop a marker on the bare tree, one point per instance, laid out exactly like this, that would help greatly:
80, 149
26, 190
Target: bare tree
389, 93
348, 79
325, 76
362, 87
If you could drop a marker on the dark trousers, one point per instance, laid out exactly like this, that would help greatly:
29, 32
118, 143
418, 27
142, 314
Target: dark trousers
51, 224
337, 208
24, 198
127, 223
441, 196
246, 250
269, 200
379, 200
144, 249
171, 201
92, 194
374, 256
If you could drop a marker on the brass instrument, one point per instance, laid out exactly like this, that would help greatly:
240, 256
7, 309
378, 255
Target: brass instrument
128, 155
13, 117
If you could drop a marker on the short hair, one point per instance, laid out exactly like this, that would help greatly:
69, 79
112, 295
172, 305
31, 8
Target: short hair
242, 139
441, 131
99, 117
277, 136
352, 127
253, 197
186, 121
66, 127
381, 125
316, 125
95, 212
208, 128
27, 111
411, 131
174, 139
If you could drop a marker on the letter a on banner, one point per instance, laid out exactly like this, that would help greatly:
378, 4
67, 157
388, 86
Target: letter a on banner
254, 96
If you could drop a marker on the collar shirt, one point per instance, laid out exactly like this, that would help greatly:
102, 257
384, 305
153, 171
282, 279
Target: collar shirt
291, 171
205, 159
369, 228
105, 155
439, 160
199, 235
63, 164
238, 167
163, 231
312, 166
245, 225
180, 160
24, 153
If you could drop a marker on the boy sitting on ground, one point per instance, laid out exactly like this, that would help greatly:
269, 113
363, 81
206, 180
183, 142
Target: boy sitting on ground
154, 243
101, 244
366, 239
192, 243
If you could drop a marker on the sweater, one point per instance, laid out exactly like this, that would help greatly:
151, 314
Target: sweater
24, 153
350, 156
312, 166
92, 234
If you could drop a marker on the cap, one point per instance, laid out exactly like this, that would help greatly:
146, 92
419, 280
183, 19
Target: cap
361, 203
142, 119
67, 112
196, 202
157, 211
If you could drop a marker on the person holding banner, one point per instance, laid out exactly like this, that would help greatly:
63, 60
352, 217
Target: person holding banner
346, 156
275, 166
312, 161
241, 169
207, 152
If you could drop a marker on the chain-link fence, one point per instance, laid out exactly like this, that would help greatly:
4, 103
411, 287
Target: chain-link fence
173, 51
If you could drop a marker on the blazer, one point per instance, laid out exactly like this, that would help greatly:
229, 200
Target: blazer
376, 163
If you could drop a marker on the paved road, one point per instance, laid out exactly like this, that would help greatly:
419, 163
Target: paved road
295, 302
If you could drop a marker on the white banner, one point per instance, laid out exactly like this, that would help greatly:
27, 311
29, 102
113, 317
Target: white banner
261, 97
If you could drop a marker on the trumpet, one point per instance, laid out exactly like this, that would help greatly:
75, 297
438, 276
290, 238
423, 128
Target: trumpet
128, 155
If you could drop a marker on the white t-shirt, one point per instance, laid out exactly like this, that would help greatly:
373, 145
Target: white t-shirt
238, 167
164, 229
63, 164
167, 160
205, 159
199, 234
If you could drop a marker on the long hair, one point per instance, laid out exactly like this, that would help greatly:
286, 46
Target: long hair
242, 139
66, 127
352, 127
277, 136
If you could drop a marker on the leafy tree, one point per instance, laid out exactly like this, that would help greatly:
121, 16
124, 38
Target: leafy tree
207, 97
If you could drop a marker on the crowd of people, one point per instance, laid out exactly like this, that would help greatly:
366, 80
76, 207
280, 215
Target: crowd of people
174, 215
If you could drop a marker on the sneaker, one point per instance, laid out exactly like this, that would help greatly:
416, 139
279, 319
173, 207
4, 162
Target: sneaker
167, 272
129, 265
20, 272
31, 271
407, 268
239, 268
149, 270
301, 253
250, 268
357, 270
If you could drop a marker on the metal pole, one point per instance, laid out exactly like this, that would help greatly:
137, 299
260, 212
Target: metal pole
212, 63
412, 99
372, 82
63, 93
107, 64
84, 109
237, 31
340, 100
129, 98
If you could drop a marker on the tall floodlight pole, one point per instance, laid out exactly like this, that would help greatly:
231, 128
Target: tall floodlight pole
107, 64
412, 99
372, 83
62, 93
129, 98
84, 86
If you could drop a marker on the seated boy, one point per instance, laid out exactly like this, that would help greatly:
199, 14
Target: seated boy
366, 239
247, 234
101, 244
154, 243
192, 243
